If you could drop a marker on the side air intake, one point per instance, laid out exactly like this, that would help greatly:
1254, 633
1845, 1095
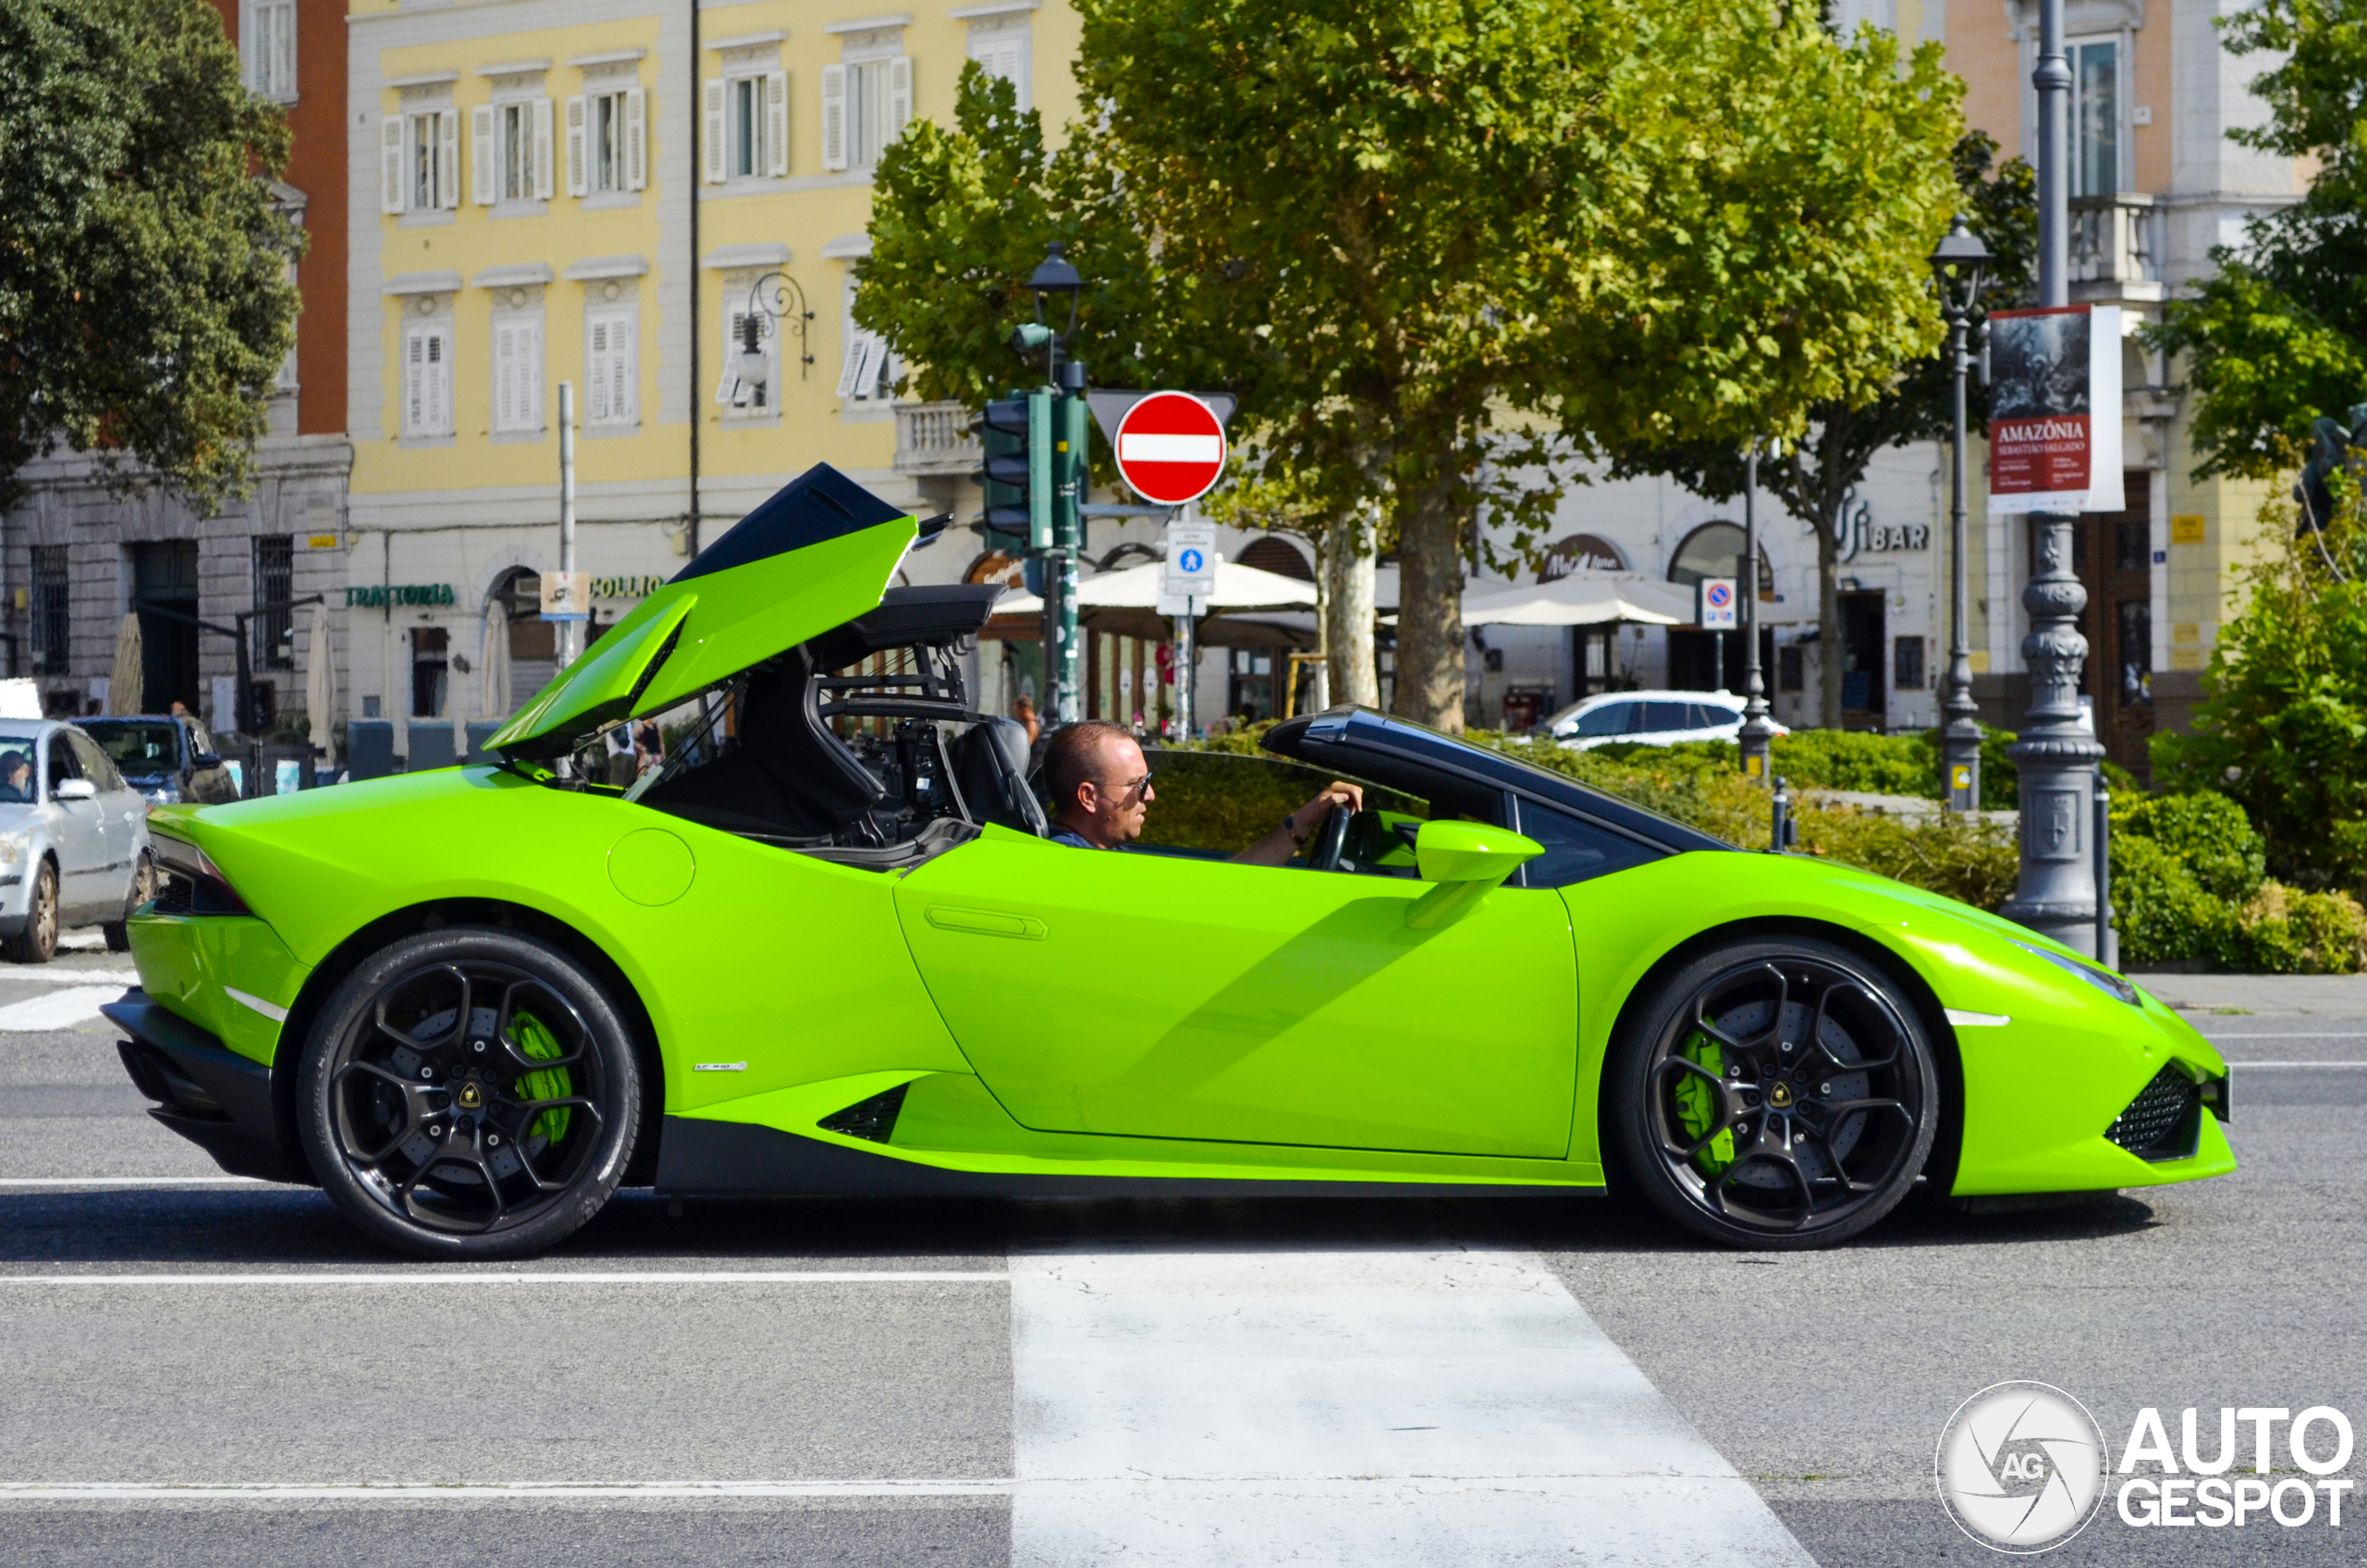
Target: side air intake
2164, 1120
873, 1120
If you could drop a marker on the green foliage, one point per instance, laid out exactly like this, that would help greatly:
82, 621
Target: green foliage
2188, 887
1854, 759
2163, 913
2284, 713
1414, 234
2277, 338
2209, 833
144, 306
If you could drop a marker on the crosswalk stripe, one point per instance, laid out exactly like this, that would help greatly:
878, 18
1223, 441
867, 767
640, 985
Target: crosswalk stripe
1369, 1406
59, 1010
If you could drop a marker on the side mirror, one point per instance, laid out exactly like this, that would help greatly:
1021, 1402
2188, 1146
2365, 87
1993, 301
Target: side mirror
1466, 859
75, 789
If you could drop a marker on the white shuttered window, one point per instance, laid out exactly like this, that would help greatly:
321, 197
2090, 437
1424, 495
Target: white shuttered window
427, 380
269, 33
1004, 54
517, 374
611, 381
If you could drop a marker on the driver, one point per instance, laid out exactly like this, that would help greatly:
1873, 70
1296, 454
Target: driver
1101, 788
16, 777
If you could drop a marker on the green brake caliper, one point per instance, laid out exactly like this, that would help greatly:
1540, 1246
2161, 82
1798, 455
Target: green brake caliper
1697, 1104
535, 1039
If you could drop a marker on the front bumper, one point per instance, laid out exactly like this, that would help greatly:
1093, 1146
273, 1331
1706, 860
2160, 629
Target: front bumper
210, 1095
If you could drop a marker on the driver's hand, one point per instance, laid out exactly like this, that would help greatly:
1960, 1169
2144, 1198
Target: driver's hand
1310, 817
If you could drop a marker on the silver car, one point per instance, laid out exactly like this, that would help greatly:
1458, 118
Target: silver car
73, 840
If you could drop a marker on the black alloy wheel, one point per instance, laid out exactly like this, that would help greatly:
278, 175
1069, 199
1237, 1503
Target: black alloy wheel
1781, 1095
143, 888
37, 943
468, 1093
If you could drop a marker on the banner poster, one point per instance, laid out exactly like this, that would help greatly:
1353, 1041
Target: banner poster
2054, 409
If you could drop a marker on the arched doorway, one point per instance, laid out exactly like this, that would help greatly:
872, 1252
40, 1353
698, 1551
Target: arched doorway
1708, 661
515, 607
1278, 556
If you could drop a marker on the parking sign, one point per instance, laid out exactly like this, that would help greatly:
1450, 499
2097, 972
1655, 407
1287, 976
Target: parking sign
1717, 608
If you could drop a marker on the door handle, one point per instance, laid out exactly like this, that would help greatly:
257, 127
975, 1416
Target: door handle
987, 923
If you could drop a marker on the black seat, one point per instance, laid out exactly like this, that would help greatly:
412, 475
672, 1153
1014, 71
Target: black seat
991, 766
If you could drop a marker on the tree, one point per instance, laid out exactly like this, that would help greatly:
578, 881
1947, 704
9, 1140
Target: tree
145, 307
1814, 475
1435, 246
2277, 338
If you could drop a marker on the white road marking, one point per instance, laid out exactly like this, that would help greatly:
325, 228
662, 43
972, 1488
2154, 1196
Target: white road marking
222, 1180
31, 976
59, 1010
477, 1491
428, 1274
1366, 1407
2298, 1064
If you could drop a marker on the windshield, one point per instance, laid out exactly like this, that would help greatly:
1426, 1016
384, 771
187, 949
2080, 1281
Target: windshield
17, 754
139, 746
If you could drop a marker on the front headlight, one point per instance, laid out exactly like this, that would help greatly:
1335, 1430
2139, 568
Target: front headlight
12, 848
2101, 979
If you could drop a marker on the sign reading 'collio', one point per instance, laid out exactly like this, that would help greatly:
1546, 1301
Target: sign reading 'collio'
379, 596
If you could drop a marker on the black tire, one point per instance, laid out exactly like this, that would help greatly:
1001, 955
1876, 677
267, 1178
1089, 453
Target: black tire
468, 1093
1778, 1094
143, 887
37, 943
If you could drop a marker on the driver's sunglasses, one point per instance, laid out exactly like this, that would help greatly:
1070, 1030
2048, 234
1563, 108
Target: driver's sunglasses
1134, 787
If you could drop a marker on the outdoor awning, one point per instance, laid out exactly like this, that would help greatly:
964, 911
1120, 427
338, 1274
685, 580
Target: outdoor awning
1137, 587
1582, 598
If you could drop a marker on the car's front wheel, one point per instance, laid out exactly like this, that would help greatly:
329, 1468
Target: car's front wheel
468, 1092
1775, 1095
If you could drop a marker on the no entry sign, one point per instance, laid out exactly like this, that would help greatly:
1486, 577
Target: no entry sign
1171, 448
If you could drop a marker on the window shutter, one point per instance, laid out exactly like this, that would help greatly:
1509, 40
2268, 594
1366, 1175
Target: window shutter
899, 95
624, 342
714, 118
777, 123
505, 378
284, 53
856, 373
834, 117
597, 377
530, 376
728, 390
579, 165
439, 381
636, 138
414, 409
484, 155
390, 146
543, 170
447, 157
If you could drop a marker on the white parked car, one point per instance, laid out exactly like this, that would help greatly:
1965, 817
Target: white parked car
73, 840
1655, 718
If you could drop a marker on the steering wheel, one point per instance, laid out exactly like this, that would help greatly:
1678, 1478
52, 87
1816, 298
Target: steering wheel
1330, 840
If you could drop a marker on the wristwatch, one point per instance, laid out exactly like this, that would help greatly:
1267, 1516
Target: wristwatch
1290, 825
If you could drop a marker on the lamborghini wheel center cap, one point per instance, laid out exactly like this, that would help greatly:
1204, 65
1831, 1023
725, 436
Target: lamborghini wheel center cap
472, 1095
1779, 1094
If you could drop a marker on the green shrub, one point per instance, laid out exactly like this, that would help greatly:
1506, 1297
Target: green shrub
1965, 858
1853, 759
2206, 831
2285, 932
2164, 913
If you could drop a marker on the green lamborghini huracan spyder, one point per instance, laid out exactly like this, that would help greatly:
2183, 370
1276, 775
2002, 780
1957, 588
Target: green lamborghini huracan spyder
826, 949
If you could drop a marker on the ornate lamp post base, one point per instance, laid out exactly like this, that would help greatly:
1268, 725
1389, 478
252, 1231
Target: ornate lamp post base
2056, 756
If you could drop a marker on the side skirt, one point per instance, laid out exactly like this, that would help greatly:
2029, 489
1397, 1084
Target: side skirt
699, 1157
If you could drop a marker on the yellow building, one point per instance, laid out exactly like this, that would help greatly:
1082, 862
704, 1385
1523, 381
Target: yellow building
591, 191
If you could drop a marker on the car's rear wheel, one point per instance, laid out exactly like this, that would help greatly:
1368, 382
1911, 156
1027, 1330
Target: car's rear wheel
1776, 1095
468, 1092
37, 943
143, 887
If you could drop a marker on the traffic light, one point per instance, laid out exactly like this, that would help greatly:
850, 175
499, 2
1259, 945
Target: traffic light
1016, 433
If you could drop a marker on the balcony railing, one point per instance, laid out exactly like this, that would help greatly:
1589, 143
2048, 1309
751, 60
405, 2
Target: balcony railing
934, 438
2117, 247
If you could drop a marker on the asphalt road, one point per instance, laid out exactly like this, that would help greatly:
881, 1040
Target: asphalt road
198, 1371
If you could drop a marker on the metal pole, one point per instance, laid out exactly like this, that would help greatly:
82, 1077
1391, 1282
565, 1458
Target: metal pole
1186, 672
1758, 735
1069, 422
2056, 756
568, 632
2107, 939
1960, 742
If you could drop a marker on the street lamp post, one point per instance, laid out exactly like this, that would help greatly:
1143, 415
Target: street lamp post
2057, 755
1757, 733
1958, 264
1054, 279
